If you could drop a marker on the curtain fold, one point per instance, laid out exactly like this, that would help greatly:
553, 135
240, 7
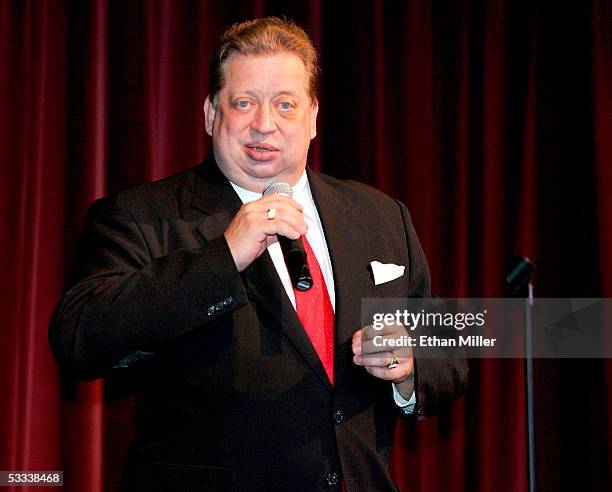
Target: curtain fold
31, 221
490, 120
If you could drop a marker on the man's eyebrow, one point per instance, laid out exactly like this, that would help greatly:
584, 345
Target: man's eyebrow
233, 94
255, 93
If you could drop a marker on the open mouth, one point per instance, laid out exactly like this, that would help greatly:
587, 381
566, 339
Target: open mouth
261, 147
260, 151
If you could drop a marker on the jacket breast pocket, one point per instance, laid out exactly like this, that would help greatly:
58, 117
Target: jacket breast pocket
393, 288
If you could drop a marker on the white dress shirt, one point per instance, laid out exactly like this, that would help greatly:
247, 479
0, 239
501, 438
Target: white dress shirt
316, 238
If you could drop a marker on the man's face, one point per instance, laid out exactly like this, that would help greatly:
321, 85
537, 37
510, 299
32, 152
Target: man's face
263, 120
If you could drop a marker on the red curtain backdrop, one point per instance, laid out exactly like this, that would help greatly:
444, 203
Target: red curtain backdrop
491, 120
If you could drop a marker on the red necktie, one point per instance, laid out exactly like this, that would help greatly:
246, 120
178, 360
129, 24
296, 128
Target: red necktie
315, 311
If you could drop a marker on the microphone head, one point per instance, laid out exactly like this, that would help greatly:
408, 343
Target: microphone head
279, 188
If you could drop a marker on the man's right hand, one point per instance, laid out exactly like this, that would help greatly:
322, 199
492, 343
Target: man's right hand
251, 231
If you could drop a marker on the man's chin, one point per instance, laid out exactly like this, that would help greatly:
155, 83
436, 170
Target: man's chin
270, 171
255, 176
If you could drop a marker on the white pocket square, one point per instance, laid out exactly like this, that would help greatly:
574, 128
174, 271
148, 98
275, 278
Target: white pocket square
385, 272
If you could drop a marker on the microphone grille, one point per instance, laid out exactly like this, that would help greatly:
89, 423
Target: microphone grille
279, 188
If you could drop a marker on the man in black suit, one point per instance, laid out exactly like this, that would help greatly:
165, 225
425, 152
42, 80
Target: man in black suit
244, 381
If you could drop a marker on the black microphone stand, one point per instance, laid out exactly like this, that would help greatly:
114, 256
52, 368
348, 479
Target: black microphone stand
518, 282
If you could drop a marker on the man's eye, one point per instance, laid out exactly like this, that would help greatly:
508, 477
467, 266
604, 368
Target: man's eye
242, 104
285, 105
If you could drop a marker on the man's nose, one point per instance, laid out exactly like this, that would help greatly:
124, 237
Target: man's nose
263, 120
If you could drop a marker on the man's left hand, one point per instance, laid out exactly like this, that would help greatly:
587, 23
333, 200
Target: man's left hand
377, 354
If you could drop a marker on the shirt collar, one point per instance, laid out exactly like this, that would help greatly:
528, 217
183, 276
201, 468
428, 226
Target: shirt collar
301, 194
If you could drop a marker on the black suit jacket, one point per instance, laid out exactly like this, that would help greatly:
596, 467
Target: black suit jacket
235, 397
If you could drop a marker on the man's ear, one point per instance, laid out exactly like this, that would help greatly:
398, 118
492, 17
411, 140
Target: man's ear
209, 115
313, 119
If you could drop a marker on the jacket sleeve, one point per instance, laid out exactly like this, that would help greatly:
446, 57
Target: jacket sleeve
438, 380
123, 302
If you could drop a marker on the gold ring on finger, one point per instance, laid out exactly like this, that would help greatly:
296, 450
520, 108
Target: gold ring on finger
394, 362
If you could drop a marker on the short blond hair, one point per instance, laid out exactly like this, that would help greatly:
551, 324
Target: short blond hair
267, 36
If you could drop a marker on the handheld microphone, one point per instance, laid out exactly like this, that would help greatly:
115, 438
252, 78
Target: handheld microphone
293, 249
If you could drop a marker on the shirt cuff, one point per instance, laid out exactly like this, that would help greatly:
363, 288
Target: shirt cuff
406, 406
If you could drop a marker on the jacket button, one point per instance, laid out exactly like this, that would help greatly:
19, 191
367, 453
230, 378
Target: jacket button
420, 412
210, 311
219, 306
228, 301
339, 416
332, 479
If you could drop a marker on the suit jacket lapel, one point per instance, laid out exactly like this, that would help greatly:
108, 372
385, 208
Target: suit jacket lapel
218, 202
276, 311
344, 235
215, 198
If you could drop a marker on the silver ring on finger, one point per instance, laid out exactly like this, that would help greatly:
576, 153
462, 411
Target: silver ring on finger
394, 362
